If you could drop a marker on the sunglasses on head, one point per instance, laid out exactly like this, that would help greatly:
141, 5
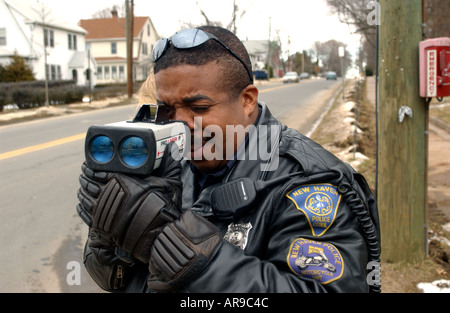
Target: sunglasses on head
190, 38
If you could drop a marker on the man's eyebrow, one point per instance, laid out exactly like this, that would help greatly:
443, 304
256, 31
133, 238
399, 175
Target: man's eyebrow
190, 100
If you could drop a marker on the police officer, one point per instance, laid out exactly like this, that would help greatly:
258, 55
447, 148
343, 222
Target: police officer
253, 207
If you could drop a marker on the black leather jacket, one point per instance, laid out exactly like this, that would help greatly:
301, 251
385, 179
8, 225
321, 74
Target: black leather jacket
314, 231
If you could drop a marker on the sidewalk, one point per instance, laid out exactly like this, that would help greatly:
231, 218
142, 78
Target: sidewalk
12, 116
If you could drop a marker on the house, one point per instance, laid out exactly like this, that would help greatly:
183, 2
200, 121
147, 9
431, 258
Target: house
258, 51
48, 42
107, 40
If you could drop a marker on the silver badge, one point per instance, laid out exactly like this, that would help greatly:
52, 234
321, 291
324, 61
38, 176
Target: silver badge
237, 234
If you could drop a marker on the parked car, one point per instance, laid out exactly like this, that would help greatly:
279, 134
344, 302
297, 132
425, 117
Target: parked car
304, 75
331, 75
291, 77
259, 75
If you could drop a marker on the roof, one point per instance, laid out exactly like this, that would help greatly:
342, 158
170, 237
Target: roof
33, 12
256, 46
77, 59
113, 27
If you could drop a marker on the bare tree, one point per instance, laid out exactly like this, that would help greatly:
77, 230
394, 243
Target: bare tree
328, 53
231, 26
106, 13
355, 13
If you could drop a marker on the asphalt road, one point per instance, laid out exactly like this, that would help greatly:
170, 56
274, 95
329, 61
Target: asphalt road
42, 236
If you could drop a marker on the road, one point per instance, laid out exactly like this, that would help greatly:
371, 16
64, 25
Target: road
42, 236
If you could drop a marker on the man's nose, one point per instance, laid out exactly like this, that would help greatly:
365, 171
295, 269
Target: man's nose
183, 114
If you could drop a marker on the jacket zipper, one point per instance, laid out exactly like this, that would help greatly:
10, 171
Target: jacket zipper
118, 280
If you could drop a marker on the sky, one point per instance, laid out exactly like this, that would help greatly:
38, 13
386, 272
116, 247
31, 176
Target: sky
302, 22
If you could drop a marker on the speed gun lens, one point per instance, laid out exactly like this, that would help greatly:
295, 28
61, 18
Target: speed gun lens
101, 149
134, 151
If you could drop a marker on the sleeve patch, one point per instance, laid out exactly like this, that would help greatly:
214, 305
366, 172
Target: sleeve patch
319, 203
317, 260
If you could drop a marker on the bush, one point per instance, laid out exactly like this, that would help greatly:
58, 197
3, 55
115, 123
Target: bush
66, 95
32, 94
28, 98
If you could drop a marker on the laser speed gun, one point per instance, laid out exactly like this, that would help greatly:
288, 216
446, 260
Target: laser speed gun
136, 146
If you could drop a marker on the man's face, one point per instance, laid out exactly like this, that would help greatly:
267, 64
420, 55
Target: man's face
193, 94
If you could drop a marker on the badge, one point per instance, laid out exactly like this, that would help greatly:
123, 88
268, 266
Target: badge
237, 234
317, 260
319, 203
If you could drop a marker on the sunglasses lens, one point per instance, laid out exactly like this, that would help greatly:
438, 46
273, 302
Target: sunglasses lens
189, 38
159, 49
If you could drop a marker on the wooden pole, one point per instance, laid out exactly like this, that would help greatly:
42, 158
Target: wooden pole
402, 145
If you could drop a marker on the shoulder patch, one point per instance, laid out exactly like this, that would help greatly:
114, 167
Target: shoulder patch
319, 203
317, 260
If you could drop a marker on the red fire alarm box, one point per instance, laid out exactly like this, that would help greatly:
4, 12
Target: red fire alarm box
434, 59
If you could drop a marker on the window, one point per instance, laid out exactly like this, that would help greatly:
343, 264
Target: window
49, 40
144, 48
114, 72
121, 72
53, 72
2, 36
148, 30
113, 47
106, 72
72, 41
99, 72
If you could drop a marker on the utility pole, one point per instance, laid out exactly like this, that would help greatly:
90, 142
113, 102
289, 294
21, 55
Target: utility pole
89, 75
401, 134
269, 56
341, 56
130, 30
289, 53
43, 12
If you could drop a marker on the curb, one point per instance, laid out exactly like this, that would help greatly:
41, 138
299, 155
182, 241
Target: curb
327, 108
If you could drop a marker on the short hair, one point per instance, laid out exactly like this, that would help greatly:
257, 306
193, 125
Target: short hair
234, 77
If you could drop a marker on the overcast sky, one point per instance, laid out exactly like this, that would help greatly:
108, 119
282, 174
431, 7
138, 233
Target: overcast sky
302, 21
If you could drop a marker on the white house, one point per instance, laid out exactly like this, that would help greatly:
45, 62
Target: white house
30, 29
106, 39
258, 51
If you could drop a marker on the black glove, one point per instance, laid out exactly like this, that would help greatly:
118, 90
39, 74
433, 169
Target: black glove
181, 251
106, 252
128, 210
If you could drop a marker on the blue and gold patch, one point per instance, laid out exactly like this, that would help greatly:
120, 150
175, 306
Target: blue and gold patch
319, 203
317, 260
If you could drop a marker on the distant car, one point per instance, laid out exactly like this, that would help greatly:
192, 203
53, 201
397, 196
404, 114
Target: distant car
260, 75
304, 75
291, 77
331, 75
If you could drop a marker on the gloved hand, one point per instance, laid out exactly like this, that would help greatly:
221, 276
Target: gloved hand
181, 251
129, 210
106, 252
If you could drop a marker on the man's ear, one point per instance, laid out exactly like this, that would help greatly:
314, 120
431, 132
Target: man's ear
249, 96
